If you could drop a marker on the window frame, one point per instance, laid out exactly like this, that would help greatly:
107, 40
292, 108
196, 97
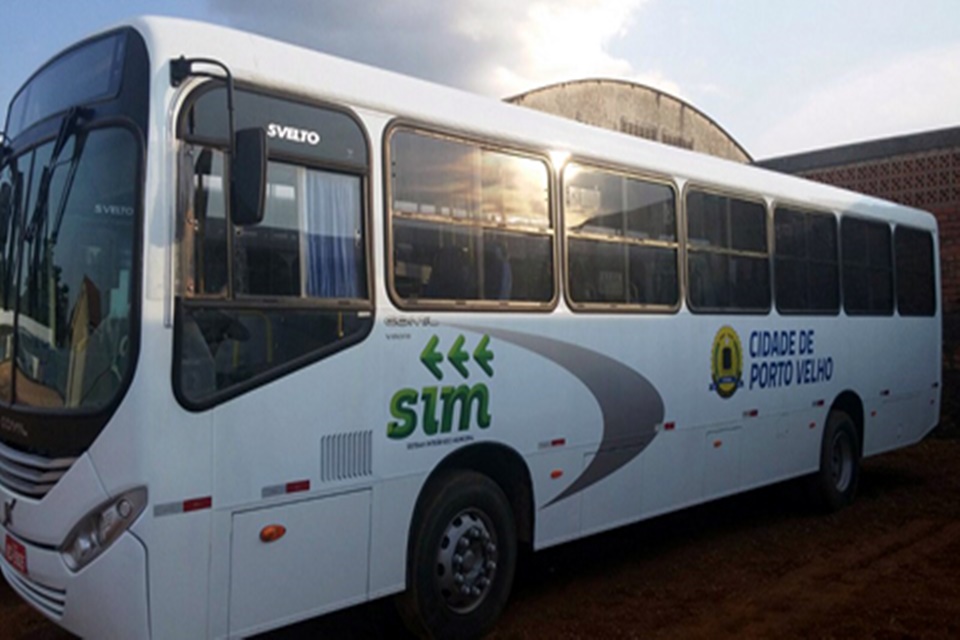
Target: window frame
486, 144
931, 236
185, 140
677, 244
85, 422
848, 215
365, 308
745, 196
804, 209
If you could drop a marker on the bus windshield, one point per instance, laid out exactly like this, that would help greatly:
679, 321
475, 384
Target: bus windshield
83, 75
68, 240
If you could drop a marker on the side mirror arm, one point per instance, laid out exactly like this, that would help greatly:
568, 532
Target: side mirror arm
248, 148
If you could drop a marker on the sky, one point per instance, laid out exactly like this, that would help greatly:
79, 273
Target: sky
780, 76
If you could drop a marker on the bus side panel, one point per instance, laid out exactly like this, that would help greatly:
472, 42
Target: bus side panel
721, 468
560, 521
392, 513
913, 353
673, 471
897, 366
315, 567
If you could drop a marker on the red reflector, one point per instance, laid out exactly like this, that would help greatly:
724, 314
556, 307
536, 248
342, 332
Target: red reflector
272, 532
873, 414
818, 403
197, 504
559, 442
556, 473
294, 487
753, 413
813, 425
670, 426
717, 444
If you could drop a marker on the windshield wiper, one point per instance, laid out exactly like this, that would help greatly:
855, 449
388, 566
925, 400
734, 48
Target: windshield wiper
67, 187
69, 127
9, 218
5, 149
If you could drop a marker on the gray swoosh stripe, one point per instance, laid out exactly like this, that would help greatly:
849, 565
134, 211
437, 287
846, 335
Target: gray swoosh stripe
630, 404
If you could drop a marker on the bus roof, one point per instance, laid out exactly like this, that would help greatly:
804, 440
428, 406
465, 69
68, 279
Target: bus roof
311, 74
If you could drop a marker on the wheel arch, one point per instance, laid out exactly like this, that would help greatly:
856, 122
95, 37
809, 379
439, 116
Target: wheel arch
850, 403
505, 467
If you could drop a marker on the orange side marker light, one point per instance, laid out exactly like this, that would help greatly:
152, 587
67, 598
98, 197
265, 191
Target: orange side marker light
272, 532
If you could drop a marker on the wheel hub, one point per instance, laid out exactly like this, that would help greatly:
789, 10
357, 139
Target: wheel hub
466, 561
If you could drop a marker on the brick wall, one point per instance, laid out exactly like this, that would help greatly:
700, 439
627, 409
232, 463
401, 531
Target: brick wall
930, 181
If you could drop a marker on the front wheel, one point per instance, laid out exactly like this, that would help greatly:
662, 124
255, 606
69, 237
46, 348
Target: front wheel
462, 558
834, 486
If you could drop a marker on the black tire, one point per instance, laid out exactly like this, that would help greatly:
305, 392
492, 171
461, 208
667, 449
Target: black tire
834, 485
467, 512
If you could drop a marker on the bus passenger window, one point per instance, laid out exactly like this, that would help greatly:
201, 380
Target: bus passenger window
310, 241
867, 267
468, 224
727, 258
916, 289
807, 272
621, 240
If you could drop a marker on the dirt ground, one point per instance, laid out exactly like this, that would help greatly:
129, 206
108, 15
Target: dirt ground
752, 566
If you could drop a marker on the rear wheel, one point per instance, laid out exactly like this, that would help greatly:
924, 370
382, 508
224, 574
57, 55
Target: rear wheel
462, 558
834, 486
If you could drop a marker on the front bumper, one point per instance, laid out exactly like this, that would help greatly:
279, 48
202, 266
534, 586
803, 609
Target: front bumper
105, 599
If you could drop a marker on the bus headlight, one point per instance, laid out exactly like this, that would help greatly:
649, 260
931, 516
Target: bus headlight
101, 527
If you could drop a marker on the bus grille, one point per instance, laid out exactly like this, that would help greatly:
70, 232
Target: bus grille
345, 456
28, 474
51, 601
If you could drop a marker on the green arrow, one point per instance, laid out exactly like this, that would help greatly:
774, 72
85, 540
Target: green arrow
457, 356
431, 358
483, 356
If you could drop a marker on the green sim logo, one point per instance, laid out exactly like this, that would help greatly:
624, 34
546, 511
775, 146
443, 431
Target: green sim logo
441, 406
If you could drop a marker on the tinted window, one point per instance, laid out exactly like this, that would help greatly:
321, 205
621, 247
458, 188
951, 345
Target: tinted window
260, 300
621, 239
309, 245
867, 267
916, 288
807, 273
468, 223
728, 263
91, 72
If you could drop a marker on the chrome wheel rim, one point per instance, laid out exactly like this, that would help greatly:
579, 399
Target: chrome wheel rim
466, 561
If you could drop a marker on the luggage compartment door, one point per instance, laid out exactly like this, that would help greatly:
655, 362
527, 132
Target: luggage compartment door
321, 563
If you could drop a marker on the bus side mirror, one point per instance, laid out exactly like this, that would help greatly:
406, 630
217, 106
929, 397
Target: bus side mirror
248, 177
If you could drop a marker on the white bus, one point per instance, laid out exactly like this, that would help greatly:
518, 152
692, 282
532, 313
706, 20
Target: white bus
283, 333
